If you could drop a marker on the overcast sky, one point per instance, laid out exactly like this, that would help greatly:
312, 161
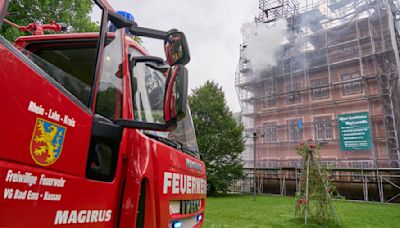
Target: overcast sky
212, 28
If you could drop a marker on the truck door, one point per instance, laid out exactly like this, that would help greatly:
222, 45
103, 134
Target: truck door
59, 149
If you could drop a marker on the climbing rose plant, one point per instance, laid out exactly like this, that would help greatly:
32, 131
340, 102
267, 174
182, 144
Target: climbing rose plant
317, 205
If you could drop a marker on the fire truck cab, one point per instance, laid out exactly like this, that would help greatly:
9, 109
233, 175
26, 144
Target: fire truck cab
96, 132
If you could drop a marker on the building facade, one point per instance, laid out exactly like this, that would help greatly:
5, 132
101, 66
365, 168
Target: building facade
335, 83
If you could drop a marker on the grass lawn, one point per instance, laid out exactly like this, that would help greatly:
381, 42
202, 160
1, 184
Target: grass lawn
278, 211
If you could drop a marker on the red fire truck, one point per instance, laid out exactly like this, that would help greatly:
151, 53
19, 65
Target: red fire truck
95, 131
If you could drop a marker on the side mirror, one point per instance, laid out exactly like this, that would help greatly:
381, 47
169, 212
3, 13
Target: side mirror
175, 103
176, 48
3, 10
175, 44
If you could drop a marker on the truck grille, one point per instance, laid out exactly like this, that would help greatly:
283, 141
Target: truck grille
184, 206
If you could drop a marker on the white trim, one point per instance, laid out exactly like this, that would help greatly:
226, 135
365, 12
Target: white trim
332, 115
355, 111
329, 157
269, 159
277, 131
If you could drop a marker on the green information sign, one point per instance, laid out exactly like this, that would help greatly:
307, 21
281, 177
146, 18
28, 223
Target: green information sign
355, 131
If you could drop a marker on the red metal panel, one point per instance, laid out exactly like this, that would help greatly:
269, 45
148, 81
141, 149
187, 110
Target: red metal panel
26, 99
169, 160
29, 196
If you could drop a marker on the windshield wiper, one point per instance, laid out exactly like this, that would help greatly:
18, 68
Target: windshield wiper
175, 144
190, 151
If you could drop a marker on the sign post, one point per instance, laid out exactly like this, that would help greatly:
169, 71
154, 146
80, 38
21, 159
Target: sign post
255, 163
355, 131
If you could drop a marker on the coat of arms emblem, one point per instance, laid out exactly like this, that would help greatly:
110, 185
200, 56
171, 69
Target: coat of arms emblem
47, 142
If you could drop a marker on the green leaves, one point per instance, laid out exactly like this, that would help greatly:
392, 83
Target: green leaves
316, 190
75, 13
219, 137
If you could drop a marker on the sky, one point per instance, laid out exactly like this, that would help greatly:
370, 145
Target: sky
213, 31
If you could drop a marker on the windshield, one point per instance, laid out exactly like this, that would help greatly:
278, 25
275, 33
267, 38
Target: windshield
185, 134
148, 86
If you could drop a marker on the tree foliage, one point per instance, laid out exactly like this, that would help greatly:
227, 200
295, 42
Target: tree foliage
75, 13
219, 137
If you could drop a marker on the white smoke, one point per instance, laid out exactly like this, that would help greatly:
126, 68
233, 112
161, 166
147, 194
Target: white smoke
263, 43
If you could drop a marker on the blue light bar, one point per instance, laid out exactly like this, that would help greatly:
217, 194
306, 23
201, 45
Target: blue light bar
177, 224
126, 15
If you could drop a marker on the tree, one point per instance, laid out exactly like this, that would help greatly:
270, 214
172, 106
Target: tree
75, 13
220, 137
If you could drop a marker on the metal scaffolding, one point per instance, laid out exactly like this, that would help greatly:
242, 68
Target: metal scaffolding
362, 184
340, 56
271, 10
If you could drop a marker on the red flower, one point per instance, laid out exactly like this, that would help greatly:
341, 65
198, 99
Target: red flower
299, 202
312, 146
302, 201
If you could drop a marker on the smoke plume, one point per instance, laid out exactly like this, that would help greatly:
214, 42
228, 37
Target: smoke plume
263, 43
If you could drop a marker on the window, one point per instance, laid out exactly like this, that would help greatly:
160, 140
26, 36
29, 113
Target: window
286, 65
109, 96
269, 93
294, 129
320, 91
71, 63
270, 132
148, 85
148, 91
353, 86
347, 50
323, 128
293, 93
103, 154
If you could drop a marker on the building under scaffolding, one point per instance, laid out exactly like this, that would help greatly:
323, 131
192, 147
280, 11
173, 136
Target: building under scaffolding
336, 82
